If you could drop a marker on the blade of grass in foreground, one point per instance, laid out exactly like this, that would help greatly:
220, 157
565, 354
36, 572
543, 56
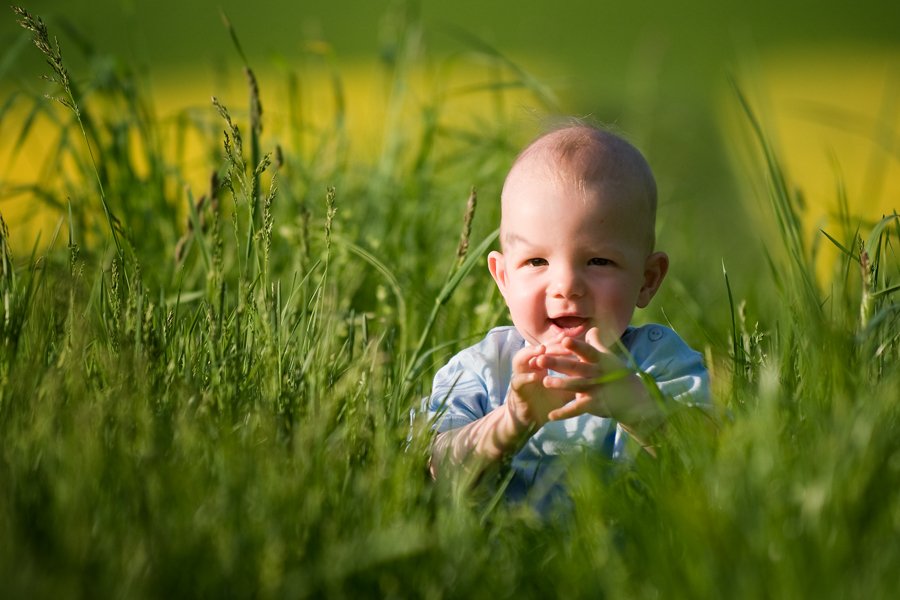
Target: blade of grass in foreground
840, 246
198, 230
871, 262
414, 364
735, 344
392, 281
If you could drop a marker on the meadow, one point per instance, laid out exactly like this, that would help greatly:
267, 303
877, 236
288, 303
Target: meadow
206, 385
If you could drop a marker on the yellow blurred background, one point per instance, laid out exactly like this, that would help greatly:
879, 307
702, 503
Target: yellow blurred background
298, 104
831, 113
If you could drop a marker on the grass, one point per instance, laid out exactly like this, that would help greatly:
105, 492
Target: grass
222, 408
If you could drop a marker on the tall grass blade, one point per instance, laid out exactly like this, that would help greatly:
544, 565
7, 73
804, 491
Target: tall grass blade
233, 35
198, 231
443, 296
392, 282
886, 291
873, 241
841, 246
783, 205
526, 79
736, 347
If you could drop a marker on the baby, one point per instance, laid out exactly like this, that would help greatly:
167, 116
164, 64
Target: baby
577, 239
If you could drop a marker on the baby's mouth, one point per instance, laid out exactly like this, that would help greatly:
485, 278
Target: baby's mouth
569, 323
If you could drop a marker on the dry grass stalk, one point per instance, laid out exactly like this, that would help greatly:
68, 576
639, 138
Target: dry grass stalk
467, 228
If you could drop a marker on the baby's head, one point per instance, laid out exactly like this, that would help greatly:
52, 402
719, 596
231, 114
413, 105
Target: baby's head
577, 235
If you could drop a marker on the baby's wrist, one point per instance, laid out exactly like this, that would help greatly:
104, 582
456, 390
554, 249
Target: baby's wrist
645, 414
515, 425
501, 434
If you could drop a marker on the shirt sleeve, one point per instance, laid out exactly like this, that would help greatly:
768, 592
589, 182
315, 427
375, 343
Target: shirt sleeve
458, 396
677, 369
474, 382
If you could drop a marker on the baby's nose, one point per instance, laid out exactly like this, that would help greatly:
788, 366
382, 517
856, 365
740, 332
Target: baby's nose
568, 284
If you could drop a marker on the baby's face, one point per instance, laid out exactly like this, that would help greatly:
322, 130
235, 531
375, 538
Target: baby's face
574, 258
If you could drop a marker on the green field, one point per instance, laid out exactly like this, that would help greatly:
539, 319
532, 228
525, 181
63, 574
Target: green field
206, 392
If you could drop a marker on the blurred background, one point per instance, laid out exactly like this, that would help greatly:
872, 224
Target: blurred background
824, 77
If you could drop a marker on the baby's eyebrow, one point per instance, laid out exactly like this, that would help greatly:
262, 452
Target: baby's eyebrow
511, 238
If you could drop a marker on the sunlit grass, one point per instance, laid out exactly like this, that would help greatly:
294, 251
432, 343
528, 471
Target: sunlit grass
223, 408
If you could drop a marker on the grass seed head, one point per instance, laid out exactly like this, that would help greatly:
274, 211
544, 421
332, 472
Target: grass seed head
5, 258
268, 217
330, 211
234, 153
467, 228
54, 56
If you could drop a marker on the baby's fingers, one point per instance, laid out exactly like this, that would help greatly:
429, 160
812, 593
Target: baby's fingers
584, 384
520, 380
585, 350
575, 408
571, 384
522, 360
567, 366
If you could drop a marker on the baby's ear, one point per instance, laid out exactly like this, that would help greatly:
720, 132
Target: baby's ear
497, 267
655, 270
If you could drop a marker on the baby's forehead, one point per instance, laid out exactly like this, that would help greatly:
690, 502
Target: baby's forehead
613, 200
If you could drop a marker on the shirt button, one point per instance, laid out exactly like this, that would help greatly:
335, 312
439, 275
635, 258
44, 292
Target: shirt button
654, 334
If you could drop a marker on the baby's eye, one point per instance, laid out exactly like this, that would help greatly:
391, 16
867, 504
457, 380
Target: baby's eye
599, 261
536, 262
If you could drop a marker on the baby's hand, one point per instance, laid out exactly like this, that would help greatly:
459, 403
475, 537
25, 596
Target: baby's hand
530, 402
602, 385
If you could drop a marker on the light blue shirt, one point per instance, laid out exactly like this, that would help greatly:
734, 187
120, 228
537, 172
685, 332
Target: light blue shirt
476, 381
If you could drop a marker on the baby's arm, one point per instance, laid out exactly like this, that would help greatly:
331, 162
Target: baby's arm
504, 430
478, 444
